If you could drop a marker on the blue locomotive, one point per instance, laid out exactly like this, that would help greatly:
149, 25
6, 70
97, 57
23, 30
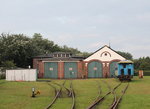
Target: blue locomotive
125, 70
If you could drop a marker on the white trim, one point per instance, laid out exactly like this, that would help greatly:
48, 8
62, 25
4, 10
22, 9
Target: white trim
97, 55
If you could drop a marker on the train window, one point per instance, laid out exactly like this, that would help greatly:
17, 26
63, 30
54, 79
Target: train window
129, 71
124, 66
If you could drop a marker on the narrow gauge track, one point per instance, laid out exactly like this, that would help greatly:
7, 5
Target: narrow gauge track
117, 101
63, 86
70, 93
57, 94
100, 99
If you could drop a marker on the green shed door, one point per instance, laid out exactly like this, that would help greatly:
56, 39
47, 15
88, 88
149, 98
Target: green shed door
51, 70
70, 70
113, 69
95, 69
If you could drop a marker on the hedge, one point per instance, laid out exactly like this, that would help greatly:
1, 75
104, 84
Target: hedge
145, 73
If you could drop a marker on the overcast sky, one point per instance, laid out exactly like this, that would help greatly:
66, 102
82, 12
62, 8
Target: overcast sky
84, 24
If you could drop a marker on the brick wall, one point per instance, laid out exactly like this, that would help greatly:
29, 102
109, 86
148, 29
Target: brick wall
41, 69
60, 70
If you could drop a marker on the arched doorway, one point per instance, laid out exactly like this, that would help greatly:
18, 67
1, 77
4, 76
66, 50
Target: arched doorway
95, 69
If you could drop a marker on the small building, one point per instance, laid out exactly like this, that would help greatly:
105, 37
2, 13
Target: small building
101, 63
21, 75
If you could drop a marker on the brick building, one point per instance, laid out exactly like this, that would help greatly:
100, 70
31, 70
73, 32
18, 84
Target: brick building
102, 63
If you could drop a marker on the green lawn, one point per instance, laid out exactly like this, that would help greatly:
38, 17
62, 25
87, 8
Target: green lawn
17, 95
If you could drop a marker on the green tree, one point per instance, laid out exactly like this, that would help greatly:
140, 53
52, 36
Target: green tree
126, 55
17, 48
8, 64
43, 46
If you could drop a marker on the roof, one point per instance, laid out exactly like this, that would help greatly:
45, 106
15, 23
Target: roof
102, 48
61, 59
44, 56
51, 57
51, 54
125, 61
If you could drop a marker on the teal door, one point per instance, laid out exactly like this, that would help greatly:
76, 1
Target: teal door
113, 69
70, 70
95, 69
51, 70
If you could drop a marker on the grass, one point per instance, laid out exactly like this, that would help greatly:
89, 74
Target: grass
17, 95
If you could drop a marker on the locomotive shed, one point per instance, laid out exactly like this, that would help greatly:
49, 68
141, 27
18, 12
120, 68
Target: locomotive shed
100, 64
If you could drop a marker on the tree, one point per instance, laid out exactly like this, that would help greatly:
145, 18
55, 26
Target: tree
16, 48
142, 63
65, 48
8, 64
126, 55
43, 46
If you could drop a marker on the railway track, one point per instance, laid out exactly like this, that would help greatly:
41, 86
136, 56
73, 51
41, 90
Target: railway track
58, 93
117, 101
100, 99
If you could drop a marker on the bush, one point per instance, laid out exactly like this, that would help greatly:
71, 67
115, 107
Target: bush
145, 73
2, 76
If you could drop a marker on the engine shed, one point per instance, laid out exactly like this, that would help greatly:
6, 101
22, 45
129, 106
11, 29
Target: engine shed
100, 64
58, 65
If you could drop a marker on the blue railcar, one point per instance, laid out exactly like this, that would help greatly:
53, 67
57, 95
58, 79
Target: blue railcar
125, 70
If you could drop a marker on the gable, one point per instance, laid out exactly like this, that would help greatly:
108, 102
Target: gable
105, 54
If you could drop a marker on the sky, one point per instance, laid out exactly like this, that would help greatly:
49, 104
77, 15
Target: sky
84, 24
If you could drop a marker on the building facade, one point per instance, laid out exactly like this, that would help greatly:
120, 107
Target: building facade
102, 63
58, 65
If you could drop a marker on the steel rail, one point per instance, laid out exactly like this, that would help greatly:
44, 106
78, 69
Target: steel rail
102, 98
58, 92
116, 103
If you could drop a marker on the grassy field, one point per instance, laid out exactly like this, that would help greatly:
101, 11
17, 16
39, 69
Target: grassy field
17, 95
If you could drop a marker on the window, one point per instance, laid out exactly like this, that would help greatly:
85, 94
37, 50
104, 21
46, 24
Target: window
59, 55
124, 65
129, 72
63, 55
67, 55
55, 55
